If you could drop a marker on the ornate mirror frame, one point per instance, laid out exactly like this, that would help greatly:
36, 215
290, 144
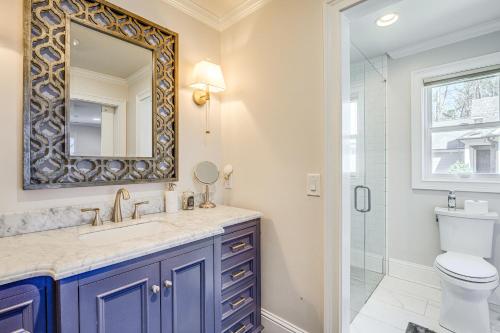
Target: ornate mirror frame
47, 163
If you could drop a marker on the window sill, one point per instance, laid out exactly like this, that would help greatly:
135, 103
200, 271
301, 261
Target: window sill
458, 184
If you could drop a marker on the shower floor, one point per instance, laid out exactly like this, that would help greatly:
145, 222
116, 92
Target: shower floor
363, 284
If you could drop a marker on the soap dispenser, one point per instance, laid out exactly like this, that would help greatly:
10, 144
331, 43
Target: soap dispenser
171, 199
452, 200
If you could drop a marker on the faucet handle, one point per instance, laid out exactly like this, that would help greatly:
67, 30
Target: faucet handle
97, 217
137, 213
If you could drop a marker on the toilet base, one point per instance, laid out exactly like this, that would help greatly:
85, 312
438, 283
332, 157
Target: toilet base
464, 310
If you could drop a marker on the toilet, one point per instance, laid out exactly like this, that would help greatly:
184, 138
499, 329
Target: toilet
467, 279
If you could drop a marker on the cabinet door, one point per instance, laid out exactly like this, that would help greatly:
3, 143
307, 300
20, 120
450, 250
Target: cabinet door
22, 313
188, 293
124, 303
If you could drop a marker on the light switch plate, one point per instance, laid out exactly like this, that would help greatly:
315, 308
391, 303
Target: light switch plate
313, 185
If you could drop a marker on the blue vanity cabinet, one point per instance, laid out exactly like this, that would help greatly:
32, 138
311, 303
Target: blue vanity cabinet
207, 286
125, 303
240, 279
188, 296
24, 306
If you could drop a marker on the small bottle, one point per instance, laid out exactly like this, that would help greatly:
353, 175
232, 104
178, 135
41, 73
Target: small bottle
452, 200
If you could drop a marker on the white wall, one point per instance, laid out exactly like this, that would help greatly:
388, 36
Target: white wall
197, 42
413, 231
87, 139
139, 83
272, 121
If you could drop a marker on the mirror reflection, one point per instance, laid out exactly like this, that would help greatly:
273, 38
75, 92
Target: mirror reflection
110, 109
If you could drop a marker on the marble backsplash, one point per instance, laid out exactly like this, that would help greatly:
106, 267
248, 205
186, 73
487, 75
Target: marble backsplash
12, 224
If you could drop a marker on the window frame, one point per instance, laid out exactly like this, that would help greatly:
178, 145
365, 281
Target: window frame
422, 177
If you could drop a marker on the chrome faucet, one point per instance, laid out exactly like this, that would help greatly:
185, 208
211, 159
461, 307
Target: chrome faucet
117, 210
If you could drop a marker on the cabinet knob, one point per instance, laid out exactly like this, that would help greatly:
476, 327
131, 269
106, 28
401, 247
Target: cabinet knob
168, 284
155, 289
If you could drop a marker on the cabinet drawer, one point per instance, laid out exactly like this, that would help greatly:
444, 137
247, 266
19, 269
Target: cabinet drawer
23, 307
238, 272
238, 242
244, 323
237, 299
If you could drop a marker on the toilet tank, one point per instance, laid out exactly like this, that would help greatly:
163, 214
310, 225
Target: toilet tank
466, 233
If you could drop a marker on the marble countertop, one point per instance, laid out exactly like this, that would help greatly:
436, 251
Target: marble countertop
69, 251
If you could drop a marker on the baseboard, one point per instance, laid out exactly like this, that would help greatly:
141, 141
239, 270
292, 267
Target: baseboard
372, 262
275, 324
409, 271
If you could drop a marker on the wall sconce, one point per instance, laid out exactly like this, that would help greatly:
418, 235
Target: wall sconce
208, 79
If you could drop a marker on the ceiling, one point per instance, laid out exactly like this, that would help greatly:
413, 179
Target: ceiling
99, 52
219, 14
422, 24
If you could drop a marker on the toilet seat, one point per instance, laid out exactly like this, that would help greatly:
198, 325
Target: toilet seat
466, 268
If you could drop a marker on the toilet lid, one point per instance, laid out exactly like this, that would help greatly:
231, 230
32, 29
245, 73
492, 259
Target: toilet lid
466, 267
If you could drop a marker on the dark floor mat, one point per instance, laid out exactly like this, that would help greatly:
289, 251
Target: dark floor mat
414, 328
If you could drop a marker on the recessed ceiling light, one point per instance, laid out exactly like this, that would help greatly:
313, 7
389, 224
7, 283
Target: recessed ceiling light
96, 119
76, 42
387, 19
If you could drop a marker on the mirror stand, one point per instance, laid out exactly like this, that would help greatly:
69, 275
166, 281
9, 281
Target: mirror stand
206, 199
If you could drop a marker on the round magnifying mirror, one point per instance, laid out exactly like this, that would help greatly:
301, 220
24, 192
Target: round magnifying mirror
206, 173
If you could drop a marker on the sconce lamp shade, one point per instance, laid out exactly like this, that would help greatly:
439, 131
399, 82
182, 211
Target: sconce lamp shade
208, 75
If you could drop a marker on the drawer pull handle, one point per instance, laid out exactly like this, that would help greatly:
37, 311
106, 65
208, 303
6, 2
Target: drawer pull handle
238, 303
238, 246
155, 289
238, 275
168, 284
242, 329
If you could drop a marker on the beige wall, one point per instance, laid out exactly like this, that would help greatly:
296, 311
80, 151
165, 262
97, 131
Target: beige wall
272, 129
197, 42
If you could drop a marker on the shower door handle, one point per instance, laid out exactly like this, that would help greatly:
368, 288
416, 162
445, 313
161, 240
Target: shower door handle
369, 197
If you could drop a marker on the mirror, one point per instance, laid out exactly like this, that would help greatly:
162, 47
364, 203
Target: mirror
206, 173
100, 101
110, 109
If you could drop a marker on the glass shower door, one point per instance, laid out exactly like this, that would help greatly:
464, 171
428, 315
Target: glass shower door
366, 166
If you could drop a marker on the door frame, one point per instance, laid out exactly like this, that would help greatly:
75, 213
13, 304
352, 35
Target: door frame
336, 205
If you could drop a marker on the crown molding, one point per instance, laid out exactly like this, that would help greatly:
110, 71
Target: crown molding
201, 14
219, 23
240, 12
454, 37
139, 74
96, 76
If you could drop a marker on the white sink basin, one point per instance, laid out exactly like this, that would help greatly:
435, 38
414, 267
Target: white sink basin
121, 233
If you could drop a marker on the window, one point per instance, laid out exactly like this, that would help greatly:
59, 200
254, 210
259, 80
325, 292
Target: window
354, 136
456, 125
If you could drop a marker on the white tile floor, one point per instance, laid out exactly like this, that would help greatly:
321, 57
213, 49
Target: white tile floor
396, 302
